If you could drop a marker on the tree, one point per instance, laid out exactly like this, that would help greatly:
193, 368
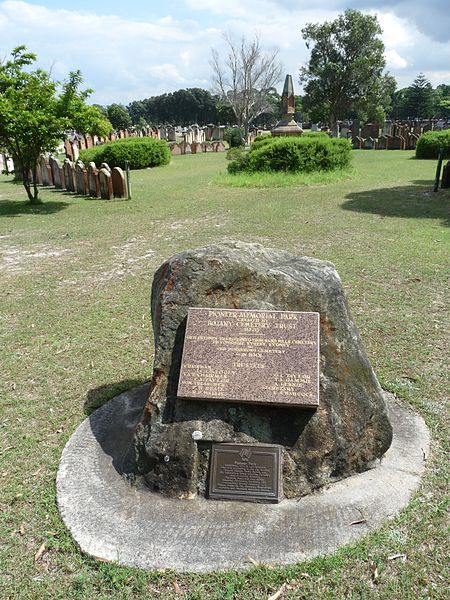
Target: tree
34, 117
246, 79
421, 98
137, 112
118, 116
345, 70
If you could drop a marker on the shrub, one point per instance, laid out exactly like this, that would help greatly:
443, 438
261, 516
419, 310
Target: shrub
139, 152
261, 140
239, 160
302, 154
429, 143
315, 134
234, 136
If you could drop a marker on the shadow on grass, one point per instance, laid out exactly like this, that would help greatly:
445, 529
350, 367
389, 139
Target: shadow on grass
99, 396
15, 208
417, 201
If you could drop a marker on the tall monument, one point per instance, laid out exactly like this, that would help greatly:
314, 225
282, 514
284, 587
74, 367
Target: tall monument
288, 125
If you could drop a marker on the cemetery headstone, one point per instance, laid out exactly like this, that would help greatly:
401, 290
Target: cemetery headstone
118, 182
171, 136
106, 189
56, 167
80, 178
69, 180
93, 181
397, 142
42, 165
369, 144
383, 142
75, 151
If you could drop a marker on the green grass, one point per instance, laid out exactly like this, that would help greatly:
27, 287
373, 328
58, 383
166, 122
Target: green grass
75, 276
266, 179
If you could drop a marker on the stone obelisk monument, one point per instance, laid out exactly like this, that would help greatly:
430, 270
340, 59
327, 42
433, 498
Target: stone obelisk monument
287, 126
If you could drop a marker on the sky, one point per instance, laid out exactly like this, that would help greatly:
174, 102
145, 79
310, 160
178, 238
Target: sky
134, 50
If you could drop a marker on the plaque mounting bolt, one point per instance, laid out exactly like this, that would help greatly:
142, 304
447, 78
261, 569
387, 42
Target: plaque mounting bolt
166, 458
197, 435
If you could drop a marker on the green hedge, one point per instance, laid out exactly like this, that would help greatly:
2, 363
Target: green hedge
315, 134
261, 140
429, 143
292, 155
141, 152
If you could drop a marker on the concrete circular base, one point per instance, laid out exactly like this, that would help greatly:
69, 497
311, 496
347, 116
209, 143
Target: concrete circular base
113, 521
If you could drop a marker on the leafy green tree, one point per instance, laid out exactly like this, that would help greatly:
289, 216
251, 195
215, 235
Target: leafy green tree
118, 116
421, 98
400, 101
34, 117
137, 112
183, 107
345, 70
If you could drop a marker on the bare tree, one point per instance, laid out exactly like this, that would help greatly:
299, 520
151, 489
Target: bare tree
246, 78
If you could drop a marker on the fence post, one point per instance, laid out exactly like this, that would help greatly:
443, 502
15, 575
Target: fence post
438, 169
127, 169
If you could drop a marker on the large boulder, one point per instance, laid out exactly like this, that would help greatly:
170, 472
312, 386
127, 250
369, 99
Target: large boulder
345, 434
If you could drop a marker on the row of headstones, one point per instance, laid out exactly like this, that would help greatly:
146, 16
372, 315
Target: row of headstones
385, 142
87, 181
196, 148
374, 130
192, 134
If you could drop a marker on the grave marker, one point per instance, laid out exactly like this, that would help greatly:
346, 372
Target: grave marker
118, 182
55, 166
106, 189
93, 182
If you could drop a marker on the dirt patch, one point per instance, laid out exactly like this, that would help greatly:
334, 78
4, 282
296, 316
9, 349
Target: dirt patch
128, 259
16, 260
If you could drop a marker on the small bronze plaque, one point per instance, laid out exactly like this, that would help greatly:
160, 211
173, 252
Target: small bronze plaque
256, 356
246, 472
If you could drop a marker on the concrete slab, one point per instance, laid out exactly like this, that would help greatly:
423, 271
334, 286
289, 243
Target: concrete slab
113, 521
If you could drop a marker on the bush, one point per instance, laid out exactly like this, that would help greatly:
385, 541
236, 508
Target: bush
429, 143
234, 136
292, 155
139, 152
261, 140
315, 134
238, 158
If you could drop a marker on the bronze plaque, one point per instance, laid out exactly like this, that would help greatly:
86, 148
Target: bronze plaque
256, 356
245, 472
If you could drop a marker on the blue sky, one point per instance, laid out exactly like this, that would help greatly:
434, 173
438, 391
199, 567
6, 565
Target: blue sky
132, 50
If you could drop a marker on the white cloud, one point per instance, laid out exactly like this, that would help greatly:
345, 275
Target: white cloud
121, 59
394, 60
125, 59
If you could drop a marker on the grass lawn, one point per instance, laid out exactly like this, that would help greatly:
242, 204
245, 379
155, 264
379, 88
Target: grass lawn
75, 277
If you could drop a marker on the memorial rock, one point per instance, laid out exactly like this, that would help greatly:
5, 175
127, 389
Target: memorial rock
343, 433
